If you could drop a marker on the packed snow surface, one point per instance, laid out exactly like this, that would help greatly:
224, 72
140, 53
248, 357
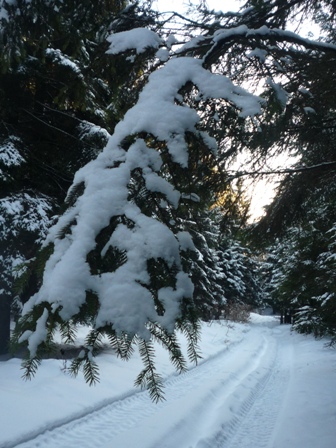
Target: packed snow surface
258, 385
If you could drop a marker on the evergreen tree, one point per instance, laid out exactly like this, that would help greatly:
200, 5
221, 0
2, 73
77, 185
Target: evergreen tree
117, 252
56, 88
304, 277
202, 263
302, 217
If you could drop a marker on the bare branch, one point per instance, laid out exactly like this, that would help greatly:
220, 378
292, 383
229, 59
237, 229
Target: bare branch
301, 169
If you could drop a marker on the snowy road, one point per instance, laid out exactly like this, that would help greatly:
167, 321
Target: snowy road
247, 396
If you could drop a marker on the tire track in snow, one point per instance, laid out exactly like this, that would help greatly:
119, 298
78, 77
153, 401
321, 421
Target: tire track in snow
259, 416
258, 427
233, 403
227, 386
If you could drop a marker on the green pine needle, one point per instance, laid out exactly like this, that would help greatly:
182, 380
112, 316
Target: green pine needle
148, 378
30, 367
91, 372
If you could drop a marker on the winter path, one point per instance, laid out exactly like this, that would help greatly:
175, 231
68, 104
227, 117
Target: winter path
261, 386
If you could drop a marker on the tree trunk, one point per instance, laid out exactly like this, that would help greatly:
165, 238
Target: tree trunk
4, 324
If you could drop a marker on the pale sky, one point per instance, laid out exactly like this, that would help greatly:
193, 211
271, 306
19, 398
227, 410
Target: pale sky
178, 5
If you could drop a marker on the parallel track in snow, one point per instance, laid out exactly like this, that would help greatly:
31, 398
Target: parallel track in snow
210, 406
257, 421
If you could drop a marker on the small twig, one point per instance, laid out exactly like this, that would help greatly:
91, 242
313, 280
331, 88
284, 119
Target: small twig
239, 174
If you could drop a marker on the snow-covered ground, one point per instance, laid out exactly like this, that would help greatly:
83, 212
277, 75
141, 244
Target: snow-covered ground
258, 385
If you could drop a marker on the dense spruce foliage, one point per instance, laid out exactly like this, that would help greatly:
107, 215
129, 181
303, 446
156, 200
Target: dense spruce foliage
299, 225
56, 88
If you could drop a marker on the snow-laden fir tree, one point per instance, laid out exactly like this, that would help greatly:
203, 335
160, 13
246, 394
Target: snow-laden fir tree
300, 221
24, 217
56, 88
240, 279
303, 275
116, 253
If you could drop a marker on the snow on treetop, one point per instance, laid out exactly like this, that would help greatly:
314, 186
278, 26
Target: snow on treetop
62, 59
25, 212
138, 39
9, 154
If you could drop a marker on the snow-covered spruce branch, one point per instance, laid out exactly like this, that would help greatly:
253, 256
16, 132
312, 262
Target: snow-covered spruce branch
105, 243
221, 38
